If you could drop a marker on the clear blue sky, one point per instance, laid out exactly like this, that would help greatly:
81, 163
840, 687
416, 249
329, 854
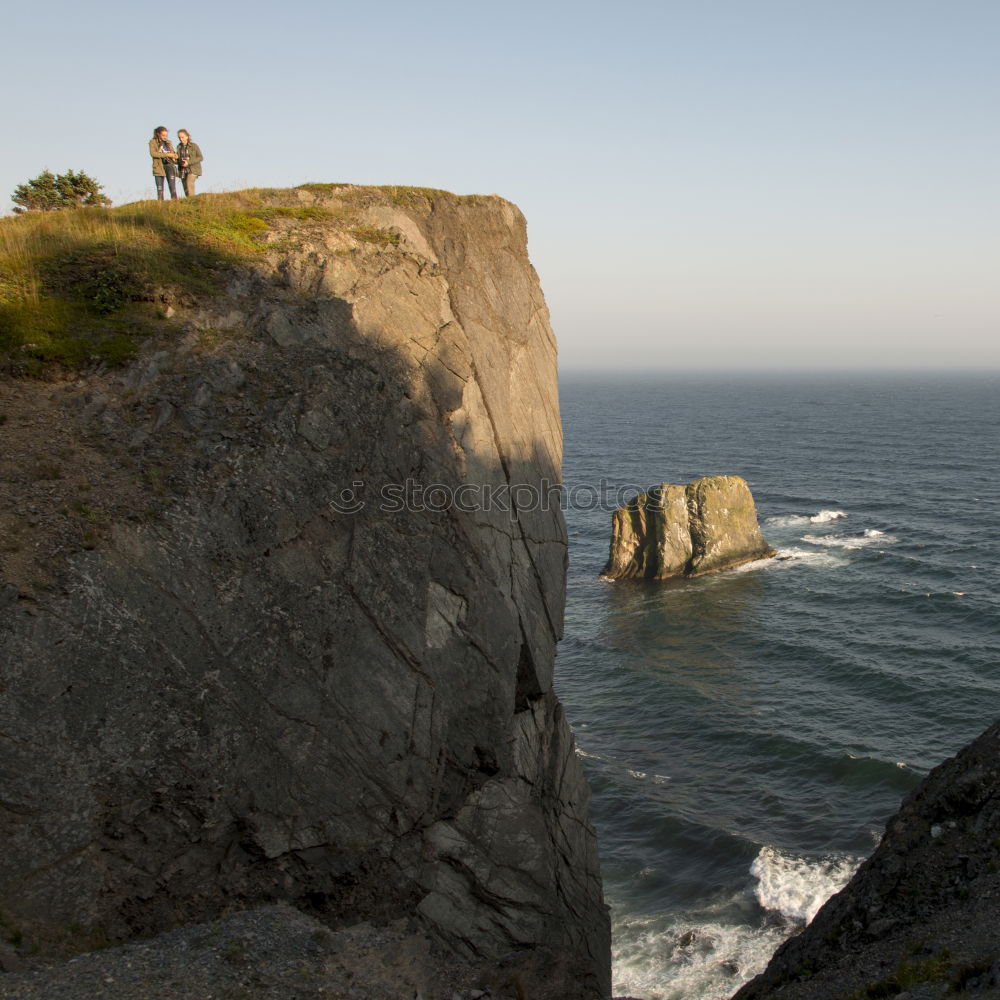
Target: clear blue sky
752, 183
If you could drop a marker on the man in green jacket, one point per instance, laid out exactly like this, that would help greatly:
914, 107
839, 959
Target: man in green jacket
188, 160
164, 159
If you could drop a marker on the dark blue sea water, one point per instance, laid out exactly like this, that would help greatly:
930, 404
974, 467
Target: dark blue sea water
748, 734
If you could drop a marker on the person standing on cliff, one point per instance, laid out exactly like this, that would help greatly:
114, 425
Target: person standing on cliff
188, 161
164, 159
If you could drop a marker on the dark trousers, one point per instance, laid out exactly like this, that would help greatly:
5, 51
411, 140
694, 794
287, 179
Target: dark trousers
171, 180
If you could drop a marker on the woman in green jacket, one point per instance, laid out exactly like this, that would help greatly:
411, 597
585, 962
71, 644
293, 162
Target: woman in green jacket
164, 159
189, 160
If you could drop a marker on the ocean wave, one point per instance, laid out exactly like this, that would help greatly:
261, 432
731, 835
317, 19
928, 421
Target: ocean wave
871, 536
827, 515
788, 557
791, 556
865, 771
791, 520
709, 954
787, 520
707, 958
796, 885
755, 564
656, 779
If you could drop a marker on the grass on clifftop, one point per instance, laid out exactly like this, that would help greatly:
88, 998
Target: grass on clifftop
87, 285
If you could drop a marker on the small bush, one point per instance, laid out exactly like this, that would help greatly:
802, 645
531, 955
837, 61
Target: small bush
50, 192
369, 234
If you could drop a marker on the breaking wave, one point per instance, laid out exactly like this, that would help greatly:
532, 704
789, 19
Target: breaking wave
827, 515
870, 536
796, 886
711, 954
794, 554
790, 520
710, 959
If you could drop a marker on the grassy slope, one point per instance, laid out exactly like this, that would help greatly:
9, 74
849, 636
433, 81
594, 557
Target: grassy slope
85, 285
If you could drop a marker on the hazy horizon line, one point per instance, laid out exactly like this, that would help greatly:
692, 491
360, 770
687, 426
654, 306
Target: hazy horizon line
696, 370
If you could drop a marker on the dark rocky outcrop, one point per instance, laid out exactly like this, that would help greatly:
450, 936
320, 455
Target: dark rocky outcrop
706, 526
920, 916
276, 952
302, 675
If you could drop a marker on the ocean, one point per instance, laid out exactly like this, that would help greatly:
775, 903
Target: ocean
747, 735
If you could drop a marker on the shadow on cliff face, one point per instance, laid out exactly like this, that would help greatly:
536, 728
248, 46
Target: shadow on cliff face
324, 674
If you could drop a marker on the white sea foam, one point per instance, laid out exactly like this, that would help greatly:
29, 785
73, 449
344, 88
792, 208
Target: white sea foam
755, 564
787, 520
812, 557
790, 556
791, 520
796, 885
871, 536
708, 958
707, 955
827, 515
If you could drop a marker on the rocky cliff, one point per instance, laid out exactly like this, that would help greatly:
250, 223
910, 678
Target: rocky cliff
306, 652
706, 526
920, 917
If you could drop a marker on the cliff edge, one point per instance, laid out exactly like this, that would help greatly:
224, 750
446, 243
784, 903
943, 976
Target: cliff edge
304, 651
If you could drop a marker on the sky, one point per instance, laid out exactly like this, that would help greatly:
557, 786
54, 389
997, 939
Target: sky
751, 184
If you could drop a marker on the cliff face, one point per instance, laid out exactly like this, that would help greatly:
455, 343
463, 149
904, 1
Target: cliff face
706, 526
310, 677
920, 917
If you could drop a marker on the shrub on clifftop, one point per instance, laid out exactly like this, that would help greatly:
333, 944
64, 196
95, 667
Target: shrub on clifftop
49, 192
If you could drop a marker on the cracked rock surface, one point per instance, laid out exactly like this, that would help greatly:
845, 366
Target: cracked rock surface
318, 670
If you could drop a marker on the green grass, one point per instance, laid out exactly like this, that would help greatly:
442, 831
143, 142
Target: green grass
369, 234
82, 285
88, 285
414, 196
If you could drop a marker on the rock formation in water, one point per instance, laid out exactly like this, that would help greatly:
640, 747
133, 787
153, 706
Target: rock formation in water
920, 916
706, 526
312, 661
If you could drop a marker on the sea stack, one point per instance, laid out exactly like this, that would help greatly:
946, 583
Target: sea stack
669, 531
